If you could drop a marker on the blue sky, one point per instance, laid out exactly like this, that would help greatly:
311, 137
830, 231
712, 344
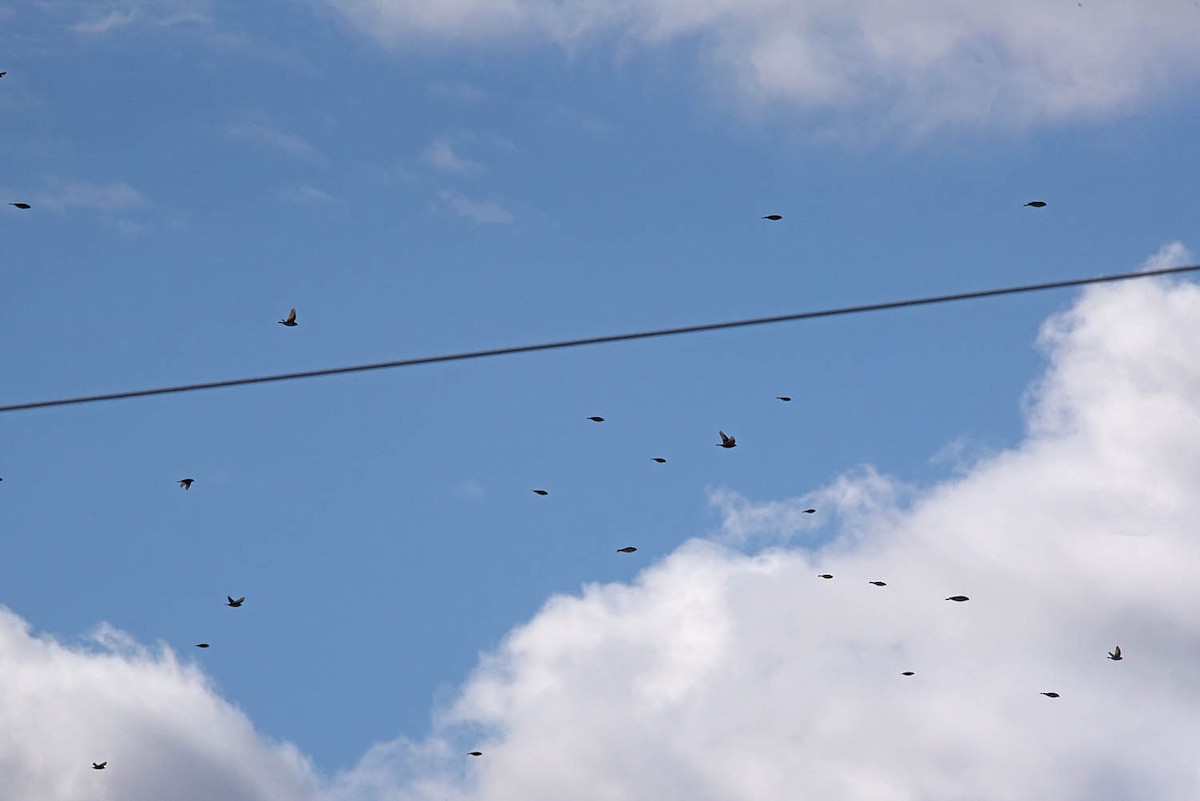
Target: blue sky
418, 178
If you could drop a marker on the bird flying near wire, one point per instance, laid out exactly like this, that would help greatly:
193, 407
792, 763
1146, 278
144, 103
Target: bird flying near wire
726, 441
1037, 204
290, 321
234, 603
626, 549
773, 217
959, 598
1115, 655
186, 483
20, 205
99, 765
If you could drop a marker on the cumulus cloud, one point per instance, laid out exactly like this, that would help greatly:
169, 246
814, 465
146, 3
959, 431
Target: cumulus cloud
730, 673
924, 64
156, 720
480, 211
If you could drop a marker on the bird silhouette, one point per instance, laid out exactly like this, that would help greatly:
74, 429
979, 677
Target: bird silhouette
1115, 655
186, 483
201, 645
658, 459
773, 217
235, 603
783, 398
908, 673
878, 583
596, 419
959, 598
2, 74
1037, 204
540, 492
20, 205
825, 575
474, 753
1051, 695
726, 441
626, 549
99, 765
290, 322
810, 511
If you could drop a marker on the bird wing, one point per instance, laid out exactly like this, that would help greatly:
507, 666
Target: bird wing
1117, 651
291, 318
724, 436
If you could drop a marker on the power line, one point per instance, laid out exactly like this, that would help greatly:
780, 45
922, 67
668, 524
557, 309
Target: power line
600, 340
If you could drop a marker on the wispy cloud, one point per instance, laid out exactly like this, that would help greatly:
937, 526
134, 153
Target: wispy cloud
457, 91
261, 133
112, 197
303, 193
480, 211
111, 21
441, 155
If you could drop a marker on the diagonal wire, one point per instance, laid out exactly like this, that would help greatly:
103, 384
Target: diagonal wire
600, 340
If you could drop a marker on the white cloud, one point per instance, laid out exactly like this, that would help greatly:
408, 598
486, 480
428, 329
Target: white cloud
62, 195
719, 674
111, 21
105, 16
259, 132
923, 64
303, 193
480, 211
458, 91
156, 720
441, 155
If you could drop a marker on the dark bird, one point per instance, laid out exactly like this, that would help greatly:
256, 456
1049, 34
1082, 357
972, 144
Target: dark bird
540, 492
810, 511
186, 483
959, 598
201, 645
2, 74
878, 583
726, 442
1051, 695
233, 603
596, 419
474, 753
99, 765
20, 205
1115, 655
783, 398
908, 673
659, 459
1037, 204
290, 322
773, 217
626, 549
825, 575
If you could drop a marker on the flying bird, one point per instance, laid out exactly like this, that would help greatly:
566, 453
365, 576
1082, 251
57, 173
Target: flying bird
234, 604
99, 765
2, 74
959, 598
908, 673
878, 583
726, 442
773, 217
20, 205
825, 575
626, 549
201, 645
540, 492
1051, 695
1115, 655
783, 398
186, 483
658, 459
810, 511
1037, 204
290, 322
596, 419
474, 753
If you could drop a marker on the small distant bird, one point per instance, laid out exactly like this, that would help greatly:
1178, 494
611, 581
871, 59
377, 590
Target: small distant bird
783, 398
290, 322
726, 442
773, 217
626, 549
2, 74
99, 765
540, 492
810, 511
878, 583
908, 673
186, 483
596, 419
1115, 655
1051, 695
825, 575
474, 753
1037, 204
658, 459
20, 205
235, 604
959, 598
201, 645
